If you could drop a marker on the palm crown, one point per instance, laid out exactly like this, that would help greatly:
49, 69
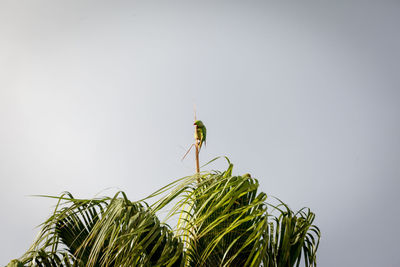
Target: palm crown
220, 221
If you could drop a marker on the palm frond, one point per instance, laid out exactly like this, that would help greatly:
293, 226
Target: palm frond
104, 232
222, 220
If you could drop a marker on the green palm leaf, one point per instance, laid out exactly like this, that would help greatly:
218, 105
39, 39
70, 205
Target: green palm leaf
221, 220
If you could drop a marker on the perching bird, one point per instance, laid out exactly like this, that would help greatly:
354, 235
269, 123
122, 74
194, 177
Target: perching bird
201, 133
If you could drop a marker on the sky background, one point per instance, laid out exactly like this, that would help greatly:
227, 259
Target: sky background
303, 95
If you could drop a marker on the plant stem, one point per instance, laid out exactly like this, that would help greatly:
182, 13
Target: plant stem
197, 159
196, 144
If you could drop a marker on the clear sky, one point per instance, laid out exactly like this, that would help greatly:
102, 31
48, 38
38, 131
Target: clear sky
303, 95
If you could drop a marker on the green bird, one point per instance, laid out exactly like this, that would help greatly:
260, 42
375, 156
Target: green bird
201, 133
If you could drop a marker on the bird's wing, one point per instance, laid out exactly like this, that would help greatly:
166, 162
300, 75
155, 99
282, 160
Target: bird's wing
204, 134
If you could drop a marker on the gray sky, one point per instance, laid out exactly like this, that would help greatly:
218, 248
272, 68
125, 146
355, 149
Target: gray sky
303, 95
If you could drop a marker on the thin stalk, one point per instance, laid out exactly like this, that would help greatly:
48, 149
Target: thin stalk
197, 160
196, 144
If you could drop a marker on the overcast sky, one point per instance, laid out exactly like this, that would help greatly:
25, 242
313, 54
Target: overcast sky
302, 95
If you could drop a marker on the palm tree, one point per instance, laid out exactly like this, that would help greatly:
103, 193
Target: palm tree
218, 220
